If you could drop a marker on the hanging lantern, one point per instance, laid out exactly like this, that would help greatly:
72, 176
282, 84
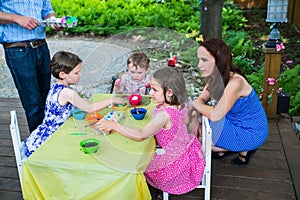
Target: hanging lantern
277, 12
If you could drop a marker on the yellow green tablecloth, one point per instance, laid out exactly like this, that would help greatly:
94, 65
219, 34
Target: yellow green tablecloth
60, 170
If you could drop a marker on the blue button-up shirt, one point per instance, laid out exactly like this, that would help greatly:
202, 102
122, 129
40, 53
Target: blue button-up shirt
38, 9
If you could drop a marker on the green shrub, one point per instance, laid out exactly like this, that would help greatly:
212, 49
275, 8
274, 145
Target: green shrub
256, 80
107, 17
246, 64
239, 42
232, 19
289, 82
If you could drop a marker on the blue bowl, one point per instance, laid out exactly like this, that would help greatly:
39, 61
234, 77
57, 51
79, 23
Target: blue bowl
140, 115
78, 114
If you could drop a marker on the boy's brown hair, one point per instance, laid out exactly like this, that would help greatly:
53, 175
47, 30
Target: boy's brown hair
63, 61
139, 59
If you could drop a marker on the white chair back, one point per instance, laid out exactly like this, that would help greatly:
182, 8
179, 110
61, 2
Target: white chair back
16, 140
206, 147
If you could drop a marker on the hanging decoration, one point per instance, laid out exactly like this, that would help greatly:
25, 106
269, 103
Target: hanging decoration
271, 81
280, 46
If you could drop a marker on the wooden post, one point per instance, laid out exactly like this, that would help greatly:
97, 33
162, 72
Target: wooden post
272, 70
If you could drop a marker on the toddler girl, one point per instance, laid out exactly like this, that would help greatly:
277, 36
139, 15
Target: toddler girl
179, 166
136, 81
65, 67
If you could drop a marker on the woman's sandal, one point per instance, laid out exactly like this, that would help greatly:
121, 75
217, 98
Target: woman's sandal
224, 154
238, 161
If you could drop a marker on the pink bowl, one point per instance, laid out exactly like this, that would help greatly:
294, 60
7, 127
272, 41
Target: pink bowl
135, 99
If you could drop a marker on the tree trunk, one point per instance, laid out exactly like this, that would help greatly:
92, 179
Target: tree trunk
211, 18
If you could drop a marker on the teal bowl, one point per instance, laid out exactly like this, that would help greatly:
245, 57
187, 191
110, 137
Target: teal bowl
78, 114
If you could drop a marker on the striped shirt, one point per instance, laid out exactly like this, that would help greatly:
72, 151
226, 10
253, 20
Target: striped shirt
38, 9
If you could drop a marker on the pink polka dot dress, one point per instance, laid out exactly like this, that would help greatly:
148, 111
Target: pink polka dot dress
179, 166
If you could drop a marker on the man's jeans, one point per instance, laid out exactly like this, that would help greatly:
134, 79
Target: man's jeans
30, 70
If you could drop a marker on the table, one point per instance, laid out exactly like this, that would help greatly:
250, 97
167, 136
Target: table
60, 170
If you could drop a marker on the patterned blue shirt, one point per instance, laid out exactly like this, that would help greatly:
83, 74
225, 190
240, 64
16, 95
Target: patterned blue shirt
55, 116
38, 9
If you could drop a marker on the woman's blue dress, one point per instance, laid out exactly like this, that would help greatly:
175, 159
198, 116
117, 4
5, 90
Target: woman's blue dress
245, 126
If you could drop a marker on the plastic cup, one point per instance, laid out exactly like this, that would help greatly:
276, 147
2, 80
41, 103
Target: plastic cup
90, 145
78, 114
138, 115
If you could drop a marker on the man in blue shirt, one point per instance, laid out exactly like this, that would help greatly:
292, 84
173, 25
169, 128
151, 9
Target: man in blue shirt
26, 52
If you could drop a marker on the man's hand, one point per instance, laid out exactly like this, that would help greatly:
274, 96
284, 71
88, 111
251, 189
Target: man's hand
26, 22
55, 27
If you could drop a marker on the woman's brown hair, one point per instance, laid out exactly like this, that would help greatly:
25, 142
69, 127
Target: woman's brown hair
223, 58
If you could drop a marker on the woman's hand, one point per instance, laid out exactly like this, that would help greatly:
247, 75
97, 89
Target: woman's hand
188, 118
195, 105
193, 119
191, 111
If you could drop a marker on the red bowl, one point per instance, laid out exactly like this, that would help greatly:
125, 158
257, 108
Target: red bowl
135, 99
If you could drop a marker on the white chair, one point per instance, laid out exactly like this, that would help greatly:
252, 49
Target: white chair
16, 140
206, 147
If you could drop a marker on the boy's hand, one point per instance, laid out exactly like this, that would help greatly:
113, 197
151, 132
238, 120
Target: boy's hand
105, 125
118, 100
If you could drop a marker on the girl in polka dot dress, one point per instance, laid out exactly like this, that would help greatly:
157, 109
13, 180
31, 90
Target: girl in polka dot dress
178, 166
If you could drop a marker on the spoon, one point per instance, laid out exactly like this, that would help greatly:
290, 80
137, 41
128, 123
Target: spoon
136, 110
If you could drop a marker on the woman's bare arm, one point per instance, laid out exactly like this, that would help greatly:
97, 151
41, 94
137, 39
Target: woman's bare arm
231, 93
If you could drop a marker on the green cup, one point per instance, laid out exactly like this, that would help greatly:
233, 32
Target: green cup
90, 145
